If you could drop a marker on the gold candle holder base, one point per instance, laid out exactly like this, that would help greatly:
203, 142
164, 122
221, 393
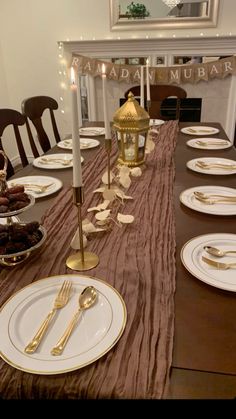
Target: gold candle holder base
108, 150
81, 261
76, 263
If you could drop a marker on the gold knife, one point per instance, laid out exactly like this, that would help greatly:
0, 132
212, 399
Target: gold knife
218, 265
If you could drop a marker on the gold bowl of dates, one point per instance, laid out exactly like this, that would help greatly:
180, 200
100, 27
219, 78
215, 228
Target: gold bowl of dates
19, 240
14, 201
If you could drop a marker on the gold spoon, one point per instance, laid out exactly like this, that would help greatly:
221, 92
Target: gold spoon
86, 299
217, 252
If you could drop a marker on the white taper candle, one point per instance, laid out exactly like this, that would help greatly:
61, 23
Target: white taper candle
142, 86
77, 169
105, 106
148, 80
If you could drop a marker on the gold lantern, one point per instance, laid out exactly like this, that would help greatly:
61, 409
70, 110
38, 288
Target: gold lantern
131, 125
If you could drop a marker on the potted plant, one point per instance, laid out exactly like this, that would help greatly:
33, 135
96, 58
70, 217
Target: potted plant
137, 11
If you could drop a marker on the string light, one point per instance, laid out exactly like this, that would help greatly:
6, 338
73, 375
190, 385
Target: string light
62, 74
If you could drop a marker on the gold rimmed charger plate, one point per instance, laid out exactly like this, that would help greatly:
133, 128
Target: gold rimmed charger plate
189, 199
193, 251
54, 185
209, 143
200, 130
55, 161
85, 143
226, 166
97, 331
92, 131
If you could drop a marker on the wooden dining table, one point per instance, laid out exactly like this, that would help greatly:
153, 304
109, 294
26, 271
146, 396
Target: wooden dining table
204, 346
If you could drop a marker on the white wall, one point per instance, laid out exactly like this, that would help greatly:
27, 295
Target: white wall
29, 32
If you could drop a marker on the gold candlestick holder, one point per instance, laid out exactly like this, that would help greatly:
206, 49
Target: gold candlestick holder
81, 261
108, 150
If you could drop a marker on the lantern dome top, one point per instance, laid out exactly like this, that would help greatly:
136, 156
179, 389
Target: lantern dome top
131, 116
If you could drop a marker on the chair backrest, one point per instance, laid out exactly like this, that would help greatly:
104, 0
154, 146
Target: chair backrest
33, 109
16, 119
158, 93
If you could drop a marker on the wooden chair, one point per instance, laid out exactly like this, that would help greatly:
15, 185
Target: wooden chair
158, 93
16, 119
33, 108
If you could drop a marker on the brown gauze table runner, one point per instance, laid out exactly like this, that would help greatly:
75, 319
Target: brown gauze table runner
137, 259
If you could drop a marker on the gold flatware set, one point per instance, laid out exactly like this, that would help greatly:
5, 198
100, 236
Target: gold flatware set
93, 131
206, 143
196, 131
49, 160
68, 143
214, 251
86, 299
211, 199
35, 187
85, 145
205, 165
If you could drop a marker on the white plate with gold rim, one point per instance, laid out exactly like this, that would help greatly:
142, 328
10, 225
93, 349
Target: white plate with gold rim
188, 198
38, 186
98, 329
92, 131
213, 170
191, 257
85, 143
209, 143
55, 161
200, 130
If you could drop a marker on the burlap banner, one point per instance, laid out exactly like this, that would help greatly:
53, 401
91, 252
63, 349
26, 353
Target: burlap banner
189, 73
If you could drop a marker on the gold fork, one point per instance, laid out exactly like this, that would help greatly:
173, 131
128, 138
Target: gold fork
61, 300
218, 265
